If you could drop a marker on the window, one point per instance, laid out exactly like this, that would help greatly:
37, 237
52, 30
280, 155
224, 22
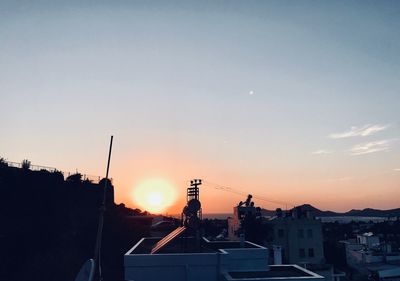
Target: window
280, 233
309, 233
302, 253
311, 252
300, 233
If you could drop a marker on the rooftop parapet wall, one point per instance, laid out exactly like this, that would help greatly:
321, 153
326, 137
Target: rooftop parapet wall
277, 272
174, 267
244, 259
143, 266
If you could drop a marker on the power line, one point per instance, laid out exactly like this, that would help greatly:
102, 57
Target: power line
239, 192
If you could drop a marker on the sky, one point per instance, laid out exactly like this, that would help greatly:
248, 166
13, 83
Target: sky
292, 101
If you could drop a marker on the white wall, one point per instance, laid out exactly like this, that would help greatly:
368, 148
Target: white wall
245, 259
174, 267
193, 266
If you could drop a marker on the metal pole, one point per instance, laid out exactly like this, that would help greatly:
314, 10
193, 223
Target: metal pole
97, 250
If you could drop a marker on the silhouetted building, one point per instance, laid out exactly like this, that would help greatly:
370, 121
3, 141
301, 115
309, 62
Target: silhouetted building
300, 236
369, 256
240, 212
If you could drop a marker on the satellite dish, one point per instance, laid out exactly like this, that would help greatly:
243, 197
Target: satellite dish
87, 271
194, 205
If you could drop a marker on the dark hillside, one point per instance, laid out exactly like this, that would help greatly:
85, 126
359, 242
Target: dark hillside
368, 212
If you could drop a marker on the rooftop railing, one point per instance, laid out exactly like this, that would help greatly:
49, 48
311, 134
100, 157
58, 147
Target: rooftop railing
85, 177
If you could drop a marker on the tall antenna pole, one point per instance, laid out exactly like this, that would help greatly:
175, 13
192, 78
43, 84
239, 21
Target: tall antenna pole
97, 250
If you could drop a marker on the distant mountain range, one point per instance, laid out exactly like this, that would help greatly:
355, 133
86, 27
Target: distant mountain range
368, 212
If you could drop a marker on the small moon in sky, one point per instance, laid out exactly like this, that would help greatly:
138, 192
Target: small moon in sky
251, 93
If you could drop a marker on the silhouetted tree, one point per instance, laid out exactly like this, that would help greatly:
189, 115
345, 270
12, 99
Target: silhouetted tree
255, 230
3, 162
26, 164
76, 178
102, 182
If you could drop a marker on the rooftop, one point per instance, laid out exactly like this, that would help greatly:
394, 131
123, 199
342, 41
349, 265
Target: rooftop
383, 266
187, 245
275, 272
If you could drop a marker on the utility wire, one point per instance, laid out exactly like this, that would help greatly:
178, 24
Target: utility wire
239, 192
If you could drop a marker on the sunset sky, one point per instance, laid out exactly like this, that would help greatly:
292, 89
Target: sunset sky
296, 102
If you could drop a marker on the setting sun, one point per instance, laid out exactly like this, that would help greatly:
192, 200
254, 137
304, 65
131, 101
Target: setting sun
154, 195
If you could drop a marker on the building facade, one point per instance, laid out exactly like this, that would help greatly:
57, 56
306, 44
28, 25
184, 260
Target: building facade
300, 237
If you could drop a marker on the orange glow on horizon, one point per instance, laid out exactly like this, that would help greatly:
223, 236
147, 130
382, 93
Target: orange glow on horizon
280, 184
154, 195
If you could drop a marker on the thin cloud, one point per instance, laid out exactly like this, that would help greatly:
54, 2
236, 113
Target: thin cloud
371, 147
340, 179
322, 152
363, 131
396, 169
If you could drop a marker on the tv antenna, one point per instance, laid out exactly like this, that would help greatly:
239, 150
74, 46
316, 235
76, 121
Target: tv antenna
192, 210
87, 271
97, 249
191, 217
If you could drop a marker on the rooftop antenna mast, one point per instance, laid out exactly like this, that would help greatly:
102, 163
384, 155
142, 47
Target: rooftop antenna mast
97, 249
192, 211
191, 218
87, 271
